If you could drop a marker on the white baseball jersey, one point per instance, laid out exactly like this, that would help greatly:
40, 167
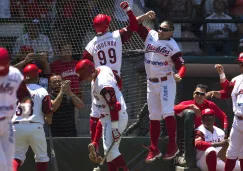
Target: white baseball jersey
104, 79
237, 95
107, 50
217, 136
9, 85
158, 55
37, 93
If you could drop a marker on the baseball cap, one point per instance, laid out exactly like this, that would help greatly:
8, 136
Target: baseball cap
4, 61
240, 58
208, 112
31, 71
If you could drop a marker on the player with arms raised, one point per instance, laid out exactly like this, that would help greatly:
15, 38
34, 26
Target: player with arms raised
110, 106
162, 54
12, 88
106, 49
28, 127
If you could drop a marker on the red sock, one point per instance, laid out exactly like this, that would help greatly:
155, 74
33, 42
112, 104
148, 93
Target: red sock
229, 164
120, 163
16, 164
92, 124
154, 133
211, 160
241, 164
170, 124
41, 166
111, 166
98, 133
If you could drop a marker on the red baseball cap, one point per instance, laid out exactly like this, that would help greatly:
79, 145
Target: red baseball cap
31, 71
4, 61
240, 58
208, 112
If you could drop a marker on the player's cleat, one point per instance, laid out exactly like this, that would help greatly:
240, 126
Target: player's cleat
171, 152
153, 155
97, 169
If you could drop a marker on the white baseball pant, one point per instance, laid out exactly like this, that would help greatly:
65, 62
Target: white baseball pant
107, 134
235, 149
6, 145
161, 98
201, 163
33, 135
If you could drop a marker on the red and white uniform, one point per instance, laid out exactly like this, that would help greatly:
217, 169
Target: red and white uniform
11, 89
105, 79
203, 140
107, 50
29, 129
160, 58
234, 89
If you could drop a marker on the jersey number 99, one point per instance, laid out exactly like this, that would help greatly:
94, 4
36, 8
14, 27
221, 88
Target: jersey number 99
19, 109
111, 56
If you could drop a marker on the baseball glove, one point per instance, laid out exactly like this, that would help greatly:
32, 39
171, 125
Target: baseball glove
94, 159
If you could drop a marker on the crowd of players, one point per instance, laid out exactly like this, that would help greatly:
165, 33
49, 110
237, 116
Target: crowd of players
25, 96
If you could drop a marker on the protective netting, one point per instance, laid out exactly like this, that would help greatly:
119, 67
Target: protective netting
69, 22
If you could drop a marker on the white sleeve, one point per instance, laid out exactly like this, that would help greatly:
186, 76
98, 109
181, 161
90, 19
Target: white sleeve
90, 48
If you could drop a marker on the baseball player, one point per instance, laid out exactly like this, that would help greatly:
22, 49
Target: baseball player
106, 49
109, 104
28, 127
12, 88
161, 56
233, 89
209, 141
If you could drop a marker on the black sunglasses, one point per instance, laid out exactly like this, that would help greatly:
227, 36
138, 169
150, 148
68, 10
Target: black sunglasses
164, 29
199, 93
208, 116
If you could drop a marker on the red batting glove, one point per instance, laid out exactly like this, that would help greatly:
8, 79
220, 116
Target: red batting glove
125, 6
116, 135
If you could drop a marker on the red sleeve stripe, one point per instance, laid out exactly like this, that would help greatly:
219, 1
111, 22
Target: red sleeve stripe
46, 105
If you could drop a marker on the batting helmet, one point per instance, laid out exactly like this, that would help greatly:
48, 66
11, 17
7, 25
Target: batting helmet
240, 58
84, 68
31, 71
101, 23
4, 61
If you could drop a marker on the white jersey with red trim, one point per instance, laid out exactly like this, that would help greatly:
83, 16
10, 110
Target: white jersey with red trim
158, 55
9, 86
217, 136
107, 50
104, 79
37, 93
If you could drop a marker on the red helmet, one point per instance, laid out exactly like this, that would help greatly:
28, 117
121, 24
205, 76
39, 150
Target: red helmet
4, 61
31, 71
240, 58
84, 68
101, 23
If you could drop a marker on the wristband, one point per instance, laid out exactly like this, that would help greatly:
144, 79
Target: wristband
114, 125
127, 9
222, 76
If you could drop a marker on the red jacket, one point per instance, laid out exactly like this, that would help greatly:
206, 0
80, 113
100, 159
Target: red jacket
206, 104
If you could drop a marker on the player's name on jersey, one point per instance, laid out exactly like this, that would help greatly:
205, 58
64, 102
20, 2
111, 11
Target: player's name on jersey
104, 44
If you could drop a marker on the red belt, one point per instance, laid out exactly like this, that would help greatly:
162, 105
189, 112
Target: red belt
156, 80
239, 117
103, 115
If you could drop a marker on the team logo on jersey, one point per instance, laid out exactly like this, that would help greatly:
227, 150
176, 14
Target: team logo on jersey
147, 61
6, 88
161, 50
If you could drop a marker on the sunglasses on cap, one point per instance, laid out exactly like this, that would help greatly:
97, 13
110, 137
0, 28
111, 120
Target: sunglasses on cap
199, 93
208, 116
164, 29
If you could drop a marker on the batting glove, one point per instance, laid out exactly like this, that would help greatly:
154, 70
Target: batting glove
125, 6
26, 109
116, 135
